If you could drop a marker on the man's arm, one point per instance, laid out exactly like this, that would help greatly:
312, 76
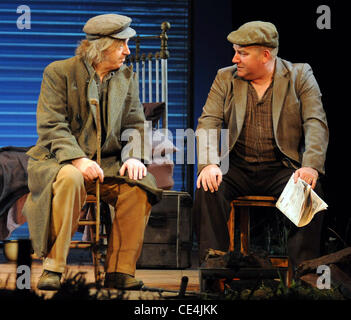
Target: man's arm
315, 125
136, 169
209, 178
134, 118
308, 174
209, 174
53, 126
52, 117
315, 128
89, 169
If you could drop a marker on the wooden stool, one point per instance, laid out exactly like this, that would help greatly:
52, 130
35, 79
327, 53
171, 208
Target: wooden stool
243, 204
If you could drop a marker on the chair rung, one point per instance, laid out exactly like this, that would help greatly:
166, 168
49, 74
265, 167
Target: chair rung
279, 262
253, 203
256, 198
87, 222
90, 199
80, 244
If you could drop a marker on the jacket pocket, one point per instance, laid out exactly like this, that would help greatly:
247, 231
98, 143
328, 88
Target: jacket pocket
40, 153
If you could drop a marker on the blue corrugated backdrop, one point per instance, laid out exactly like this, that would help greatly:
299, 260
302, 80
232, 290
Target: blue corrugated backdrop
53, 32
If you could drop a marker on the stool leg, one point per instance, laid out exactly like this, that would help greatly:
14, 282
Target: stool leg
231, 227
244, 230
289, 274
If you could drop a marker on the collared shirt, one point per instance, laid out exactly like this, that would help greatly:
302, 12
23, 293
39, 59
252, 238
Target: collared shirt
256, 141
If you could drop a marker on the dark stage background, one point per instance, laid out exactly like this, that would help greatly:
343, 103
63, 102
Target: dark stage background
300, 41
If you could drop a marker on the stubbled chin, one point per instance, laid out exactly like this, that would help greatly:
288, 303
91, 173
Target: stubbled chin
240, 73
118, 65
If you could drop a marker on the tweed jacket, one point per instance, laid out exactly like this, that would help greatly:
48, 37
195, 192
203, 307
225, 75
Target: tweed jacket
299, 122
66, 125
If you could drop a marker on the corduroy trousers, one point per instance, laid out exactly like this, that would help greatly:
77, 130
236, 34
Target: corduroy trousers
125, 241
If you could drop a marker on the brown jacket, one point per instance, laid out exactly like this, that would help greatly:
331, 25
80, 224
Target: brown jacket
66, 129
299, 121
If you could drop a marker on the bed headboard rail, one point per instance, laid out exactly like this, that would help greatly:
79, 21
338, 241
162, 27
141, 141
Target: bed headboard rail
152, 68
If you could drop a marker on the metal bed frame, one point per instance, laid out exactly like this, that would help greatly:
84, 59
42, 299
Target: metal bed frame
149, 64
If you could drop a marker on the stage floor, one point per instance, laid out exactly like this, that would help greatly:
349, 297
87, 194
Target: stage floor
154, 278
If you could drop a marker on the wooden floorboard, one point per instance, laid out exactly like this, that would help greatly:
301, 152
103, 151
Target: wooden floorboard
155, 278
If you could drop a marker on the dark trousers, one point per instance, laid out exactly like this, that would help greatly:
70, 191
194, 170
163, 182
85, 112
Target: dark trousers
211, 210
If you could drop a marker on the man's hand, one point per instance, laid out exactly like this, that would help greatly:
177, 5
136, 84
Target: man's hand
136, 169
210, 177
307, 174
89, 169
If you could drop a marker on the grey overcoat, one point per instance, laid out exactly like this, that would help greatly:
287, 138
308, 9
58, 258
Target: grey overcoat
66, 125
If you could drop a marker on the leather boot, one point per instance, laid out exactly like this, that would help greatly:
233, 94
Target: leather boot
49, 280
123, 281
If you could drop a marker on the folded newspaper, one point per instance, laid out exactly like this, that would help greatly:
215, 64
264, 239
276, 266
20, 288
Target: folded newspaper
299, 202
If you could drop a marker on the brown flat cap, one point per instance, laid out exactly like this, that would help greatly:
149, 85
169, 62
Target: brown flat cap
255, 33
109, 25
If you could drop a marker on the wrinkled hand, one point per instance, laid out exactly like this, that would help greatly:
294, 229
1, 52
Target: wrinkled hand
307, 174
210, 177
89, 169
136, 169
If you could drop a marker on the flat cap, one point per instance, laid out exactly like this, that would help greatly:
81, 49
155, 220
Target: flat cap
109, 25
255, 33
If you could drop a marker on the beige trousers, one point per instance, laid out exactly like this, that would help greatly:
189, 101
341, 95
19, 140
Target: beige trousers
132, 211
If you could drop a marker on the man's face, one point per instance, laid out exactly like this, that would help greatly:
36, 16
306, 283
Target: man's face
116, 54
248, 61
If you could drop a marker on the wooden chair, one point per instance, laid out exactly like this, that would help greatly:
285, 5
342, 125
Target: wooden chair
98, 233
242, 205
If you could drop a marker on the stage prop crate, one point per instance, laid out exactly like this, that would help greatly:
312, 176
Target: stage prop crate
168, 235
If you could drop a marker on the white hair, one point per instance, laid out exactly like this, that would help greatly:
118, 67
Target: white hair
93, 50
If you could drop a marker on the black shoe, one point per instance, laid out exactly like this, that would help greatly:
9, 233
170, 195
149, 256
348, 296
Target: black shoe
49, 280
123, 281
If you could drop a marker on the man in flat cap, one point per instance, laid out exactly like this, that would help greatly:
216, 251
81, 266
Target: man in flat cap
63, 166
273, 111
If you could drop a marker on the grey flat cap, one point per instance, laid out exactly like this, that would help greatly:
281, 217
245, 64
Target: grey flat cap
109, 25
255, 33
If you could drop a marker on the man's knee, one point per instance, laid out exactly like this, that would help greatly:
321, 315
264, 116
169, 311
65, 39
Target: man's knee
219, 196
133, 194
70, 177
141, 194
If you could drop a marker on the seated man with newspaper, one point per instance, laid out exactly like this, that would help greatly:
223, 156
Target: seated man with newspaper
277, 127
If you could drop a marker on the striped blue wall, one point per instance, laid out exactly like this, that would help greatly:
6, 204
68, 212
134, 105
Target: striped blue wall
55, 30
